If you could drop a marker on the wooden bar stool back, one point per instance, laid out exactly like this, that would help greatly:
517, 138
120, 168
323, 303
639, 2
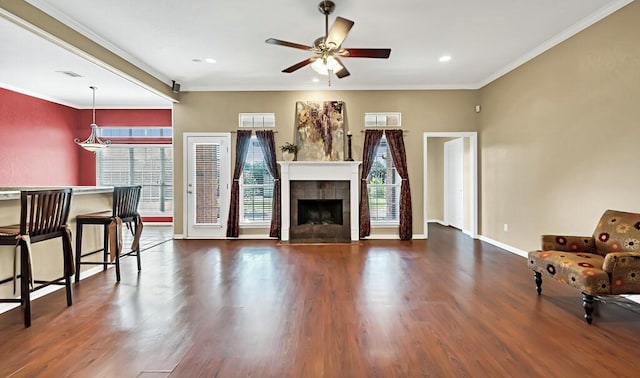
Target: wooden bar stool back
125, 211
43, 216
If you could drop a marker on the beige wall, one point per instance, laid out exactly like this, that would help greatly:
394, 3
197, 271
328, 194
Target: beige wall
435, 179
559, 136
421, 111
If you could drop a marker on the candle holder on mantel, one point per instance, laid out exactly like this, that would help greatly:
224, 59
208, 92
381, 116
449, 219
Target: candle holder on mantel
349, 155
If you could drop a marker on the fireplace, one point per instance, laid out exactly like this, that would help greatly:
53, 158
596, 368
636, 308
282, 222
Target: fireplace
320, 211
320, 201
315, 211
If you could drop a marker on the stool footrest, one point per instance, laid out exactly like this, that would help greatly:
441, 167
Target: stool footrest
92, 252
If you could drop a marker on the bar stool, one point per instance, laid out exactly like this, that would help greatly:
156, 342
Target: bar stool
43, 216
125, 211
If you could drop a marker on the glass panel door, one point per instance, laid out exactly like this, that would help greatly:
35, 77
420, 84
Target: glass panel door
207, 186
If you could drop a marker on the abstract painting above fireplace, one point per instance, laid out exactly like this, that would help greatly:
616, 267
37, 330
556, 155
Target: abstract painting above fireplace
320, 130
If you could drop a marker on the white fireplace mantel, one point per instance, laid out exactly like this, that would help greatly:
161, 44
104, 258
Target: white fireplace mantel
320, 171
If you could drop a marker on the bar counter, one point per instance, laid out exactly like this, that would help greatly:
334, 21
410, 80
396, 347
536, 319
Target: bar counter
47, 255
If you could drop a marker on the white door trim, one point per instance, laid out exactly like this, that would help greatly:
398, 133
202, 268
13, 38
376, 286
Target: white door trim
185, 174
473, 182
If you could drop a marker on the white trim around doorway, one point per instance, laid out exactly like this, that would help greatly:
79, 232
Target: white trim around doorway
473, 183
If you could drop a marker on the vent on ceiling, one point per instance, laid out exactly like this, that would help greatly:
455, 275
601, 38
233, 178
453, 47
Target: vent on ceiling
257, 120
70, 73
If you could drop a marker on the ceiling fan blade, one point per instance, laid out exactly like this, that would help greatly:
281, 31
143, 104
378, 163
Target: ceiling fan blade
279, 42
338, 32
344, 72
299, 65
365, 53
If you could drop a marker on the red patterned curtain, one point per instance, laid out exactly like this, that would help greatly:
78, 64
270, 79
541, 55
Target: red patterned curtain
268, 145
371, 140
396, 147
242, 146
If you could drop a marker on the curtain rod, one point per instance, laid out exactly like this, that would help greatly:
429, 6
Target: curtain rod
404, 131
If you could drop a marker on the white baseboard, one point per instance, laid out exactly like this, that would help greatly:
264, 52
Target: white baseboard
438, 221
506, 247
383, 237
254, 237
241, 237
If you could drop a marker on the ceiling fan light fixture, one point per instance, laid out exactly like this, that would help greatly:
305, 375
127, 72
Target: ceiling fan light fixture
93, 143
324, 65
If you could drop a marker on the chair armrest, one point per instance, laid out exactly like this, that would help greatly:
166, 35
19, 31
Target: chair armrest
568, 243
615, 261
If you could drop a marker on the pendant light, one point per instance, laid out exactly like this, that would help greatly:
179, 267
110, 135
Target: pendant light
93, 143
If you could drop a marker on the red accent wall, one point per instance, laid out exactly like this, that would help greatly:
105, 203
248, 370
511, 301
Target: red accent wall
36, 140
36, 143
127, 117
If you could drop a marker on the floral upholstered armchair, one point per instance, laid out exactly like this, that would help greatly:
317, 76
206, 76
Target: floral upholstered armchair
607, 263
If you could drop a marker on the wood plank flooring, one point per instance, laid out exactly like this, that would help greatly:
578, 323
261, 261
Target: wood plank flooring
446, 307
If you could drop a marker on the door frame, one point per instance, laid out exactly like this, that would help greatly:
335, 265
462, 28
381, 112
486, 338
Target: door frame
446, 200
185, 178
473, 182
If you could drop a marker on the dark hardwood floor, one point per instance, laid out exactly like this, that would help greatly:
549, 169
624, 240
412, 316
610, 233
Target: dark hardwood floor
446, 307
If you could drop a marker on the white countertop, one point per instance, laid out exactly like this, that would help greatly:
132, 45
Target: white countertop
14, 193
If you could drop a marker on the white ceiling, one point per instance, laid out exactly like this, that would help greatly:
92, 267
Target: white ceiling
485, 39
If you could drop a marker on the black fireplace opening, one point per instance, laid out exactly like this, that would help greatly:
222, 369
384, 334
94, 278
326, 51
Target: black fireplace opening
311, 211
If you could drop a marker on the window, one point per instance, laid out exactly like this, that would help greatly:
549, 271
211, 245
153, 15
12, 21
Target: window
148, 165
384, 187
106, 132
256, 187
260, 120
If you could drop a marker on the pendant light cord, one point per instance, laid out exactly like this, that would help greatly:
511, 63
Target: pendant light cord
94, 103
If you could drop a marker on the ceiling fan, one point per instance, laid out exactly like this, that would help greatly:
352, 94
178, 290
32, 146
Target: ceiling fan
328, 49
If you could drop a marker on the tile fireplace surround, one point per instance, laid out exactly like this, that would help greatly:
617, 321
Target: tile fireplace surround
320, 171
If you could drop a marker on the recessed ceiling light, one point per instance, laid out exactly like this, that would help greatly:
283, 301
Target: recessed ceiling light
210, 60
444, 58
315, 80
196, 60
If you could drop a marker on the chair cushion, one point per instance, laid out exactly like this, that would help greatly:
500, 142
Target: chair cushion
97, 215
580, 270
617, 231
10, 231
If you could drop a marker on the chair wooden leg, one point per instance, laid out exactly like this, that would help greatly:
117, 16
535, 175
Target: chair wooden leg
25, 279
67, 258
67, 284
538, 279
138, 247
105, 245
118, 266
78, 250
587, 304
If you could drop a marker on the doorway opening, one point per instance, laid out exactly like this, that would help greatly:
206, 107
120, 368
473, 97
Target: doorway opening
451, 180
